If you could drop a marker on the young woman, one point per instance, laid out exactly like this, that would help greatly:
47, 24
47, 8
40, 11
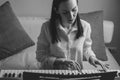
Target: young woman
65, 39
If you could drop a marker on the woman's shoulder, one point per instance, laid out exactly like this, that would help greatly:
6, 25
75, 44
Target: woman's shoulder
47, 22
85, 24
45, 26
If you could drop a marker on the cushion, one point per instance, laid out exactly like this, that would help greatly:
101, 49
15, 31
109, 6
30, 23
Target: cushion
32, 26
13, 37
96, 21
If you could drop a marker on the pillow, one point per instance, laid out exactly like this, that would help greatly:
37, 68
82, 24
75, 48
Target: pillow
96, 21
13, 37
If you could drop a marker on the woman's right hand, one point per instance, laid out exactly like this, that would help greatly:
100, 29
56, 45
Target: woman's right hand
63, 64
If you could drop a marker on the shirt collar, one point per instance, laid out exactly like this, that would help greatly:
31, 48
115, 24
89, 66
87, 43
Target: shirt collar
62, 28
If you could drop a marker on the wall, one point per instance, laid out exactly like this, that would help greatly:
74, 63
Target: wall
43, 7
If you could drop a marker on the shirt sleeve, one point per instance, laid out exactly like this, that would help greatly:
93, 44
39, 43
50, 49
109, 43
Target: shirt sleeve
87, 50
43, 49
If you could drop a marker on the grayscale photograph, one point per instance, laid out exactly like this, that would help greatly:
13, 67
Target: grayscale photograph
59, 40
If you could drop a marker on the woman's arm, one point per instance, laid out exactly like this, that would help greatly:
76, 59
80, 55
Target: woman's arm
87, 50
43, 49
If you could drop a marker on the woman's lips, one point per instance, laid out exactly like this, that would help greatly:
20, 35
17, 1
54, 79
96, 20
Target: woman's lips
70, 21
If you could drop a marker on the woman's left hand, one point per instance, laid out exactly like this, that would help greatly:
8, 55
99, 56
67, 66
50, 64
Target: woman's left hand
94, 61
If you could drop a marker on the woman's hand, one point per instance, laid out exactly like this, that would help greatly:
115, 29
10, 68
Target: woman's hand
61, 63
94, 61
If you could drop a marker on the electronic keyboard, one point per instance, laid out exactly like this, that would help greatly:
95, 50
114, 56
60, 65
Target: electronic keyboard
58, 74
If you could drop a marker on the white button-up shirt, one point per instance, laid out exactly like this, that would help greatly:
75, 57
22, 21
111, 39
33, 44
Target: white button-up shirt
67, 48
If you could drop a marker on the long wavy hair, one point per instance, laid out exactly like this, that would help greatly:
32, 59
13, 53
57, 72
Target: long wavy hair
53, 25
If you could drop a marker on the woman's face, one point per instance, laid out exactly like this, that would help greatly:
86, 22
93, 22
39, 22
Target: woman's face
68, 11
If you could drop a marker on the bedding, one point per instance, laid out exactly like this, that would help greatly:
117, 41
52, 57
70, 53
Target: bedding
13, 37
26, 60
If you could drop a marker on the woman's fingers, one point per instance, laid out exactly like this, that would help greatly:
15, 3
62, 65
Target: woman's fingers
73, 65
67, 64
107, 66
103, 65
93, 63
79, 68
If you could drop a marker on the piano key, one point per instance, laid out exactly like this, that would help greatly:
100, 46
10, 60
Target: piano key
64, 73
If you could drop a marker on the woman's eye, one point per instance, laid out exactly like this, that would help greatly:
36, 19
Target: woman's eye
74, 10
65, 13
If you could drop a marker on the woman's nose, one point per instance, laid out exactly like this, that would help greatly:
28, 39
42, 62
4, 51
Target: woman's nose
71, 15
